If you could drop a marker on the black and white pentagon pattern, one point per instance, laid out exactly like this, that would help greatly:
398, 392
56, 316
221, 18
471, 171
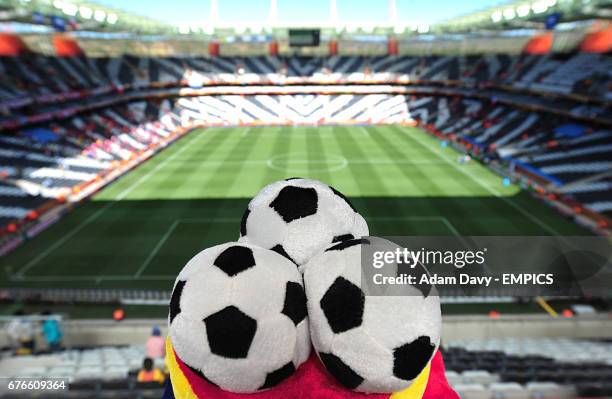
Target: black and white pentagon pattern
294, 202
343, 304
397, 334
298, 218
238, 317
230, 332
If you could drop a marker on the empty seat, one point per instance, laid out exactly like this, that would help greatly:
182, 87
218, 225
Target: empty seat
549, 390
473, 391
479, 377
509, 390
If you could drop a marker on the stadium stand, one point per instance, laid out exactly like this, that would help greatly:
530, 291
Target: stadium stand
526, 368
522, 368
575, 158
69, 144
46, 162
50, 78
105, 371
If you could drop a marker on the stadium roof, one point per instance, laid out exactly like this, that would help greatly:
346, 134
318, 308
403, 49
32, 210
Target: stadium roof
87, 14
95, 17
527, 14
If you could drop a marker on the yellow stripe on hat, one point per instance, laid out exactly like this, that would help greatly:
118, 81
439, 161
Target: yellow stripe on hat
180, 385
417, 388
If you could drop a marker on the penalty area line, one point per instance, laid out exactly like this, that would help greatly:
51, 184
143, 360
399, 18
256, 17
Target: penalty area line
95, 278
482, 184
62, 240
160, 244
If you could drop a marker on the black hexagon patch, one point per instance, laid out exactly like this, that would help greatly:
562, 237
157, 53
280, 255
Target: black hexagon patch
276, 377
295, 302
230, 332
243, 222
175, 300
293, 203
410, 359
235, 259
343, 373
343, 305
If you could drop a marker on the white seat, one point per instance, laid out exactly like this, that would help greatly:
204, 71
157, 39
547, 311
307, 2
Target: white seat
33, 371
89, 372
479, 377
61, 371
509, 390
550, 390
473, 391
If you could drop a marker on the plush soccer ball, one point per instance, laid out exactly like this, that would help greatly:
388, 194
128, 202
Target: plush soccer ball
298, 218
238, 317
368, 343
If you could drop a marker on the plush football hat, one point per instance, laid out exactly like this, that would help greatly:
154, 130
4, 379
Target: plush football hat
298, 218
370, 343
238, 317
239, 325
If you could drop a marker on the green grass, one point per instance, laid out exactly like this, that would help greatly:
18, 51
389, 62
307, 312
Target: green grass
141, 230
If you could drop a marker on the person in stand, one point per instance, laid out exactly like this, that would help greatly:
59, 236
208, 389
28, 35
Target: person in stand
155, 345
150, 373
21, 332
52, 332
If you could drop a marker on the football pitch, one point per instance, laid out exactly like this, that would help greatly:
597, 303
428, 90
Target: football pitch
141, 230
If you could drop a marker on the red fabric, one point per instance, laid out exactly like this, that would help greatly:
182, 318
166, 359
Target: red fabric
539, 44
11, 45
333, 47
66, 46
392, 47
273, 48
311, 381
437, 386
213, 49
597, 42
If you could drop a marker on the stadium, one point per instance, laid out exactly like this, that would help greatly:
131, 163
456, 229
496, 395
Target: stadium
131, 141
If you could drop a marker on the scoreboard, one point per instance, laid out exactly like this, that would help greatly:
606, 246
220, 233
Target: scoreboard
304, 37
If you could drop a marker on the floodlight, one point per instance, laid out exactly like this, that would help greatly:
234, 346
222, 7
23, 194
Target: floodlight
85, 12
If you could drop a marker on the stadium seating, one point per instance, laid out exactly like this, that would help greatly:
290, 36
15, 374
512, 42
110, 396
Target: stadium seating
104, 111
529, 368
577, 164
38, 75
107, 372
43, 163
526, 368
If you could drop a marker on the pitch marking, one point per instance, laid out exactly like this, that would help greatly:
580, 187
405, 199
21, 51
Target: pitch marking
160, 277
491, 190
300, 159
153, 253
94, 216
169, 233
